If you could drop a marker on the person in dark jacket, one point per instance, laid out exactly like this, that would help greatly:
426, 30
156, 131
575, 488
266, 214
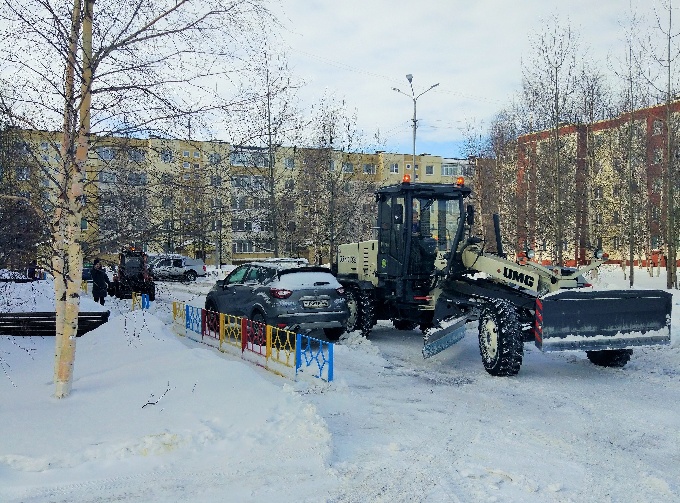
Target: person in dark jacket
100, 282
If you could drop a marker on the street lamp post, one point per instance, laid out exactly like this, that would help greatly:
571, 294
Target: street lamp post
413, 96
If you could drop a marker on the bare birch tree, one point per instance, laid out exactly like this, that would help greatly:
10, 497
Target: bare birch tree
549, 85
126, 66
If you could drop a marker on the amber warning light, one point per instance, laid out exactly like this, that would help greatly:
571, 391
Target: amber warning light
406, 178
460, 181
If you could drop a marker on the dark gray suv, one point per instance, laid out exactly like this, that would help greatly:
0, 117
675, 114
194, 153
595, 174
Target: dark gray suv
284, 293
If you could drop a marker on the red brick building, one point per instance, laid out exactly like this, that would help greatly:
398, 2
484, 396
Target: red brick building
604, 183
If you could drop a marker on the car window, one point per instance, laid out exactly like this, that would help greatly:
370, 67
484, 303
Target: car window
265, 275
236, 275
297, 280
253, 275
177, 262
164, 263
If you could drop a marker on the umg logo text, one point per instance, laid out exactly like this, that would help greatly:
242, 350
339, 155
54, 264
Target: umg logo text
518, 277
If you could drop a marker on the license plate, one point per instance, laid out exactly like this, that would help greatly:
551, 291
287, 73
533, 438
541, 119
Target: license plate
314, 303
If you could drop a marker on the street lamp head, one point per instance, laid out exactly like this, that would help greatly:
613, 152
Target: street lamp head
409, 77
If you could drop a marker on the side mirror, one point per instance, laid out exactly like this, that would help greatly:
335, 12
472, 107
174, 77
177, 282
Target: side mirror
398, 214
470, 214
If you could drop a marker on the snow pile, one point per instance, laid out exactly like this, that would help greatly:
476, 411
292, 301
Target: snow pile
143, 400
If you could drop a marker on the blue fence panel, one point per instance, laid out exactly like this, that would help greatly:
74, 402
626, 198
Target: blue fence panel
314, 352
194, 319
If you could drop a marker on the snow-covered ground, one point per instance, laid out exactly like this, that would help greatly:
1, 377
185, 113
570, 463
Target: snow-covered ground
158, 418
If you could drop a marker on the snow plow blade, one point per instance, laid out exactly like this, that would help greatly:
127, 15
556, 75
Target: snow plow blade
600, 320
438, 339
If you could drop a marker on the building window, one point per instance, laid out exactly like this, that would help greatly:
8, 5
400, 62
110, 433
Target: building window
197, 154
657, 185
185, 153
290, 184
597, 193
598, 218
331, 165
44, 145
186, 176
137, 178
107, 177
656, 213
656, 240
289, 163
416, 168
196, 165
216, 203
166, 155
214, 158
369, 169
242, 247
23, 173
186, 165
238, 203
394, 167
167, 202
616, 219
347, 167
616, 242
136, 155
429, 170
658, 155
83, 224
408, 166
451, 170
166, 178
106, 153
657, 127
215, 181
45, 158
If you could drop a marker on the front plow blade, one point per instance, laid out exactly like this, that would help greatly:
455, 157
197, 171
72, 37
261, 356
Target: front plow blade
599, 320
444, 336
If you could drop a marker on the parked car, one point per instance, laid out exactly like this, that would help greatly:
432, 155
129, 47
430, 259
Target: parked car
285, 293
177, 267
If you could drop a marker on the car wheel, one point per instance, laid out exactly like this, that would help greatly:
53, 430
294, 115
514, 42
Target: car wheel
258, 328
333, 334
190, 276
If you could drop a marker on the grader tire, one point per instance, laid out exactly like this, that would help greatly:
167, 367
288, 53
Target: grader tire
361, 311
500, 339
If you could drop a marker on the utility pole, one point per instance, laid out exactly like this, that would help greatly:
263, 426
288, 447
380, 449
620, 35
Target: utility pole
413, 96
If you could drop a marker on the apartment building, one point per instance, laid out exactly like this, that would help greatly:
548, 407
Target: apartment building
601, 183
212, 199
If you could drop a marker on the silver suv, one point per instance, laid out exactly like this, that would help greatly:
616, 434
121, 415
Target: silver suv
284, 293
177, 267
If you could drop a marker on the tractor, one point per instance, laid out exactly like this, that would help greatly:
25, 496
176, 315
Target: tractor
132, 275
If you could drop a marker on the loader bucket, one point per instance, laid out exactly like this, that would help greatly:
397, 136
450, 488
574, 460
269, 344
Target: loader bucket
599, 320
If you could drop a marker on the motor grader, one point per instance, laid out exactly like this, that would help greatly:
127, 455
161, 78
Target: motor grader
428, 270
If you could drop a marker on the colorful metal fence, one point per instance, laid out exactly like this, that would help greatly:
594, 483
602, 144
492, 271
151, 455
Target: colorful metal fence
273, 348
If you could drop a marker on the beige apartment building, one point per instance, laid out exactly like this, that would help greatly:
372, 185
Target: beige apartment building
212, 199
